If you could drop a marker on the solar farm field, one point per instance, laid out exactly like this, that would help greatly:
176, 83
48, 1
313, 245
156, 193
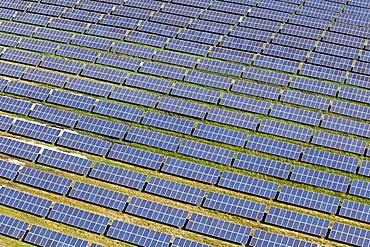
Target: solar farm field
185, 123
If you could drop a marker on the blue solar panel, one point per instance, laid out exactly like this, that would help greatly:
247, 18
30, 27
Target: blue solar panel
231, 55
103, 127
349, 29
260, 24
92, 42
268, 239
160, 29
79, 218
154, 139
27, 90
146, 39
53, 35
13, 227
127, 178
106, 32
8, 170
219, 228
65, 3
297, 42
346, 125
328, 159
38, 46
199, 37
360, 188
233, 118
191, 170
206, 152
54, 115
21, 57
339, 142
262, 165
24, 201
44, 180
98, 195
317, 13
220, 67
245, 104
133, 50
119, 62
297, 221
234, 205
176, 191
320, 179
314, 86
19, 149
337, 50
81, 15
343, 39
14, 105
105, 74
285, 52
11, 70
365, 168
349, 234
134, 96
68, 25
358, 80
45, 9
95, 6
71, 100
65, 161
330, 61
355, 210
230, 7
309, 22
120, 22
266, 76
77, 53
205, 79
118, 111
307, 100
187, 47
196, 93
352, 110
7, 14
271, 146
182, 107
132, 12
9, 40
15, 28
269, 14
40, 236
137, 235
63, 65
248, 185
209, 26
250, 33
180, 242
35, 130
90, 87
162, 70
136, 156
309, 199
33, 19
150, 83
45, 77
175, 58
156, 211
295, 114
3, 83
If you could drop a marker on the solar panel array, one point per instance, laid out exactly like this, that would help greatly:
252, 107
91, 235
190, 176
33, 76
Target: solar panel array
253, 98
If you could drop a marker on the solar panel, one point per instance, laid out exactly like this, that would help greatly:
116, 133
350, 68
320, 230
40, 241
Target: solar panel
263, 238
339, 142
14, 105
84, 143
156, 211
362, 68
106, 32
365, 168
292, 41
328, 159
314, 86
271, 146
360, 188
187, 47
233, 118
81, 15
176, 191
133, 50
206, 152
54, 115
199, 37
103, 127
77, 53
151, 5
63, 65
325, 5
196, 3
27, 90
134, 96
71, 100
24, 201
337, 50
95, 6
53, 35
257, 23
118, 111
343, 39
309, 199
119, 62
33, 19
285, 52
210, 80
220, 67
136, 156
162, 70
234, 205
219, 228
150, 83
120, 22
248, 185
229, 7
21, 57
44, 180
40, 236
87, 86
35, 130
9, 40
250, 33
255, 89
220, 17
127, 178
3, 83
179, 242
320, 179
8, 170
173, 20
79, 218
209, 26
182, 107
65, 161
38, 46
266, 76
346, 125
7, 14
45, 9
68, 25
309, 22
137, 235
13, 227
92, 42
191, 170
330, 61
65, 3
262, 165
355, 210
269, 14
96, 245
15, 28
146, 39
358, 80
241, 44
196, 93
349, 234
154, 139
175, 58
97, 195
136, 13
297, 221
352, 110
317, 13
19, 148
231, 55
307, 100
45, 77
244, 103
354, 20
105, 74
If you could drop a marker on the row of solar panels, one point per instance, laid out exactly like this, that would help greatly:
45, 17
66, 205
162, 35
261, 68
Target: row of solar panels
217, 228
184, 126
